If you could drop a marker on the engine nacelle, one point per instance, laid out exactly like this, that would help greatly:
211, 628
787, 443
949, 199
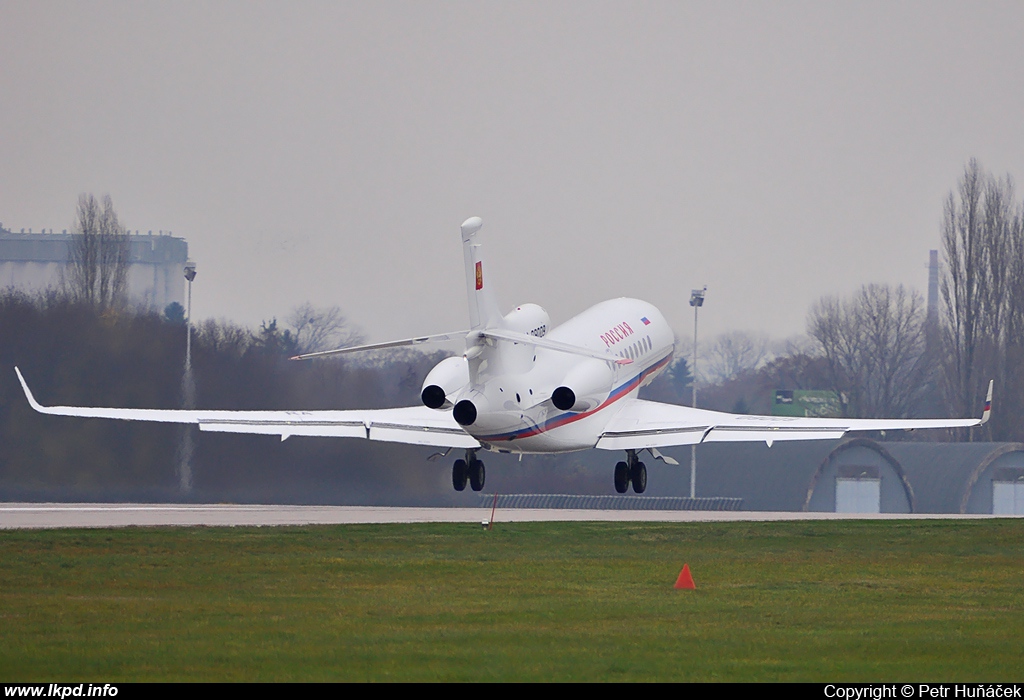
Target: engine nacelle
467, 409
528, 319
448, 376
585, 387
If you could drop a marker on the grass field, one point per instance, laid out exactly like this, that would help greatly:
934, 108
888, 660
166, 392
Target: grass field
868, 600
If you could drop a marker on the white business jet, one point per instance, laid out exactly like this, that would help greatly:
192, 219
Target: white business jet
522, 387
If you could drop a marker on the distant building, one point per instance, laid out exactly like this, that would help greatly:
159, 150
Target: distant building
861, 475
32, 262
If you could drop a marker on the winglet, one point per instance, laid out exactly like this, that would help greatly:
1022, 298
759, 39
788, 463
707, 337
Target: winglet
28, 393
987, 411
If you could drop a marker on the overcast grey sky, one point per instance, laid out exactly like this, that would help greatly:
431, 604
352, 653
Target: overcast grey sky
328, 152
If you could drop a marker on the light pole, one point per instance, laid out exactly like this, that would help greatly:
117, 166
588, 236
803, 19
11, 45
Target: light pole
188, 389
696, 301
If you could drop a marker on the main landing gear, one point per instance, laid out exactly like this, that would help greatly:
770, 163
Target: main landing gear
469, 469
632, 471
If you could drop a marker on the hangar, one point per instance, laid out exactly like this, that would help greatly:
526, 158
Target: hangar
862, 475
980, 477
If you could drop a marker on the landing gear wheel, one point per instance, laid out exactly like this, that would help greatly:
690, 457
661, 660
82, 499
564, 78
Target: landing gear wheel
621, 477
476, 474
459, 475
639, 477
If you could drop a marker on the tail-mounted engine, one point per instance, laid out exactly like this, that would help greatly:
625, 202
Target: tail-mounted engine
448, 377
530, 320
585, 387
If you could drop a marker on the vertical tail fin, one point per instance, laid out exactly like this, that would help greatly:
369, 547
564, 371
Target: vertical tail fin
483, 305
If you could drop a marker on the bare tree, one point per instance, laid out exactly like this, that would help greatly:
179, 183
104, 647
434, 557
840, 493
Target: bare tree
79, 276
874, 348
983, 293
1012, 390
895, 325
114, 257
836, 328
223, 337
734, 353
321, 328
98, 255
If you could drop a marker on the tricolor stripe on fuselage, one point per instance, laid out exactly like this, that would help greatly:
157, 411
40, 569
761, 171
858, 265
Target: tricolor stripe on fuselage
566, 418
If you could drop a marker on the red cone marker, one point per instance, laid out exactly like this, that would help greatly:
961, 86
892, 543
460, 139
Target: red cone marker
685, 580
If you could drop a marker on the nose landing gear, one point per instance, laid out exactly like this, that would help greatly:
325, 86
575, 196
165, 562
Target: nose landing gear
469, 469
632, 471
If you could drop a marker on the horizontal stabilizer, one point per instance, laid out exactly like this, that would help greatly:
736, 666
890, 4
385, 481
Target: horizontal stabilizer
438, 338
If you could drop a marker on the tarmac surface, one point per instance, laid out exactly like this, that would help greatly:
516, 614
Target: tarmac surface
102, 515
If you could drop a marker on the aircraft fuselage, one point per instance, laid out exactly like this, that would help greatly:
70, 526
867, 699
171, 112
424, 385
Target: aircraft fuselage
513, 386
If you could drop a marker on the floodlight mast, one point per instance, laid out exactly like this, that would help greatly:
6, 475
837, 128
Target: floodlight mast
188, 388
190, 274
189, 394
696, 301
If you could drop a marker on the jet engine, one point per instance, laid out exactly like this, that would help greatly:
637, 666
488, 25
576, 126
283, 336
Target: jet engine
585, 387
467, 409
528, 319
448, 376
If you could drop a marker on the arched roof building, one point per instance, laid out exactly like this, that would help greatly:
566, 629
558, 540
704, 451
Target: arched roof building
865, 475
860, 476
961, 477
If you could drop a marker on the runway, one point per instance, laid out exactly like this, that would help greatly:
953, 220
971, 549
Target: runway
103, 515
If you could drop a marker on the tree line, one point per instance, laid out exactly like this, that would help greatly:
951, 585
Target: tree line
885, 356
77, 353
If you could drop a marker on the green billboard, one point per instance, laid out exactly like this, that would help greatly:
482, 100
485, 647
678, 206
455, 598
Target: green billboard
807, 403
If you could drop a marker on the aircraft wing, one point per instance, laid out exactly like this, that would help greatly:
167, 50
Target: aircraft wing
416, 425
642, 424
